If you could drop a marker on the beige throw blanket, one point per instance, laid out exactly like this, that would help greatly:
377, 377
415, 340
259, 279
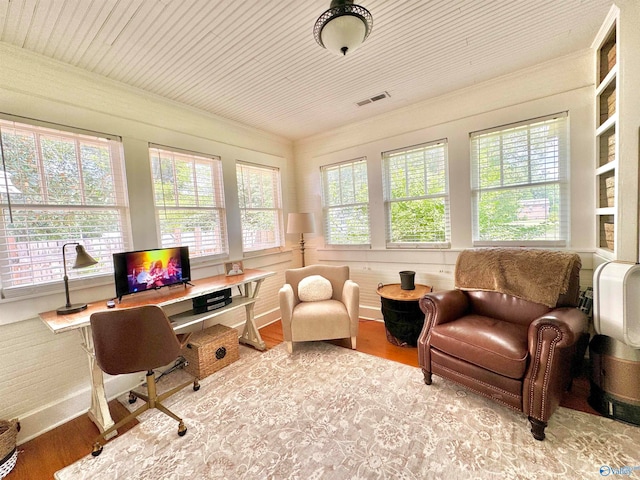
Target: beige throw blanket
539, 276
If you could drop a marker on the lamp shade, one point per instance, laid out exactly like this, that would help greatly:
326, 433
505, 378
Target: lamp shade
83, 259
301, 223
343, 28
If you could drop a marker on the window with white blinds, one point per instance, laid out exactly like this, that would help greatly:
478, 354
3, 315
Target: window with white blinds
519, 183
346, 203
416, 196
189, 200
58, 187
260, 203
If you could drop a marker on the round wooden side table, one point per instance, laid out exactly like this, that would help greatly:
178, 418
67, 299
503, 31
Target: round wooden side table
403, 319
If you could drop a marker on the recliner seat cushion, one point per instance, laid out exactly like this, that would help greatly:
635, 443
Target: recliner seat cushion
493, 344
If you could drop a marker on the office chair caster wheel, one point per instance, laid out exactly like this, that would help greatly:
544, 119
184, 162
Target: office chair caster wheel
196, 386
182, 429
97, 449
132, 397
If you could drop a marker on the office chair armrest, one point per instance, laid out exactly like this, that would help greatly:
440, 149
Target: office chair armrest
183, 338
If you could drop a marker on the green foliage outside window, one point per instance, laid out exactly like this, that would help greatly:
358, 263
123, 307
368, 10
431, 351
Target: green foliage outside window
416, 195
346, 203
65, 188
518, 178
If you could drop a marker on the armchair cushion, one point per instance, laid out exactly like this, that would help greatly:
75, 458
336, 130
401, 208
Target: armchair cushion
314, 288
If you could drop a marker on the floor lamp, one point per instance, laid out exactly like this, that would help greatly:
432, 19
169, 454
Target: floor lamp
301, 223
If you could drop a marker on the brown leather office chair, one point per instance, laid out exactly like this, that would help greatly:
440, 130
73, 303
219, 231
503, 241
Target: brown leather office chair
319, 302
509, 331
134, 340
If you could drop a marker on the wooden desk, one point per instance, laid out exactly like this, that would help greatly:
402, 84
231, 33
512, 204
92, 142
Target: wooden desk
248, 284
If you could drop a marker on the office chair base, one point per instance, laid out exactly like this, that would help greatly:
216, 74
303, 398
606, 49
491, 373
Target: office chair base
152, 400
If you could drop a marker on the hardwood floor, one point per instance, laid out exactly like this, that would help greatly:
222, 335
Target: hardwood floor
41, 457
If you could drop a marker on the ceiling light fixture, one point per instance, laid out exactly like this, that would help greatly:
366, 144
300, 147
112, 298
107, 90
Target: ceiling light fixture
343, 28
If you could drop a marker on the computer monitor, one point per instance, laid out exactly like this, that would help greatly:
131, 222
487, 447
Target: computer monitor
150, 269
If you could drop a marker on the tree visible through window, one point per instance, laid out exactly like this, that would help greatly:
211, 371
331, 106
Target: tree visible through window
58, 187
519, 183
189, 200
416, 195
346, 203
260, 206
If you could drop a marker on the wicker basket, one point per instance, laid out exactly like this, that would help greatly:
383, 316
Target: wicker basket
610, 184
8, 451
210, 350
608, 235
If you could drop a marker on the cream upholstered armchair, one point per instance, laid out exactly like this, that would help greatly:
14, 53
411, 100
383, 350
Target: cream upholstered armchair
319, 302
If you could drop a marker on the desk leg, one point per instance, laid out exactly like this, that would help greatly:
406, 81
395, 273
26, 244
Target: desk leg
251, 335
99, 410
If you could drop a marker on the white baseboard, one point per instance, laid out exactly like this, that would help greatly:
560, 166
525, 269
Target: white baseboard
371, 313
50, 416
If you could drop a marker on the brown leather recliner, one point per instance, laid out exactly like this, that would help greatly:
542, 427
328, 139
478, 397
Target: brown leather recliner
513, 350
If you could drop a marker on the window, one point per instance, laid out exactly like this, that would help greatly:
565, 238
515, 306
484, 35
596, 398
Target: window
58, 187
189, 199
260, 207
416, 195
519, 183
346, 203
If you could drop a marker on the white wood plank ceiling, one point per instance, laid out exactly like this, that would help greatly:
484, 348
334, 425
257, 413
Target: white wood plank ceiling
256, 62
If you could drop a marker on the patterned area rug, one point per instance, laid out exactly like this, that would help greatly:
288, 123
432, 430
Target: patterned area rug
330, 412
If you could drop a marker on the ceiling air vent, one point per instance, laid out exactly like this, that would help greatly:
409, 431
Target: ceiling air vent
375, 98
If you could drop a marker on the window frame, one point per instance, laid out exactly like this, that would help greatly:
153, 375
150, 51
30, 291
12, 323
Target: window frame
218, 206
562, 181
326, 209
277, 209
445, 194
44, 200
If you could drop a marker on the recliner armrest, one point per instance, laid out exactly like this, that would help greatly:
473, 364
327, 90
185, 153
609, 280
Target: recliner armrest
570, 323
443, 307
552, 346
438, 308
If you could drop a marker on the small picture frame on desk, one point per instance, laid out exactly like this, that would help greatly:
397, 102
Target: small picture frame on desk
234, 268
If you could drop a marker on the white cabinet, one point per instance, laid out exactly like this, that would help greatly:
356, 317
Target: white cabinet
606, 99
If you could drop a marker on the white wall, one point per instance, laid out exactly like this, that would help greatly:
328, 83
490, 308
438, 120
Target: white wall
565, 84
44, 378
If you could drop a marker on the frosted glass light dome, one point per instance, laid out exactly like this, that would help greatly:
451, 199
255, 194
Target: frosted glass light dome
343, 28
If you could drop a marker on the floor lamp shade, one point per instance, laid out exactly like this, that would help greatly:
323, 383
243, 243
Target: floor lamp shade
301, 223
83, 259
